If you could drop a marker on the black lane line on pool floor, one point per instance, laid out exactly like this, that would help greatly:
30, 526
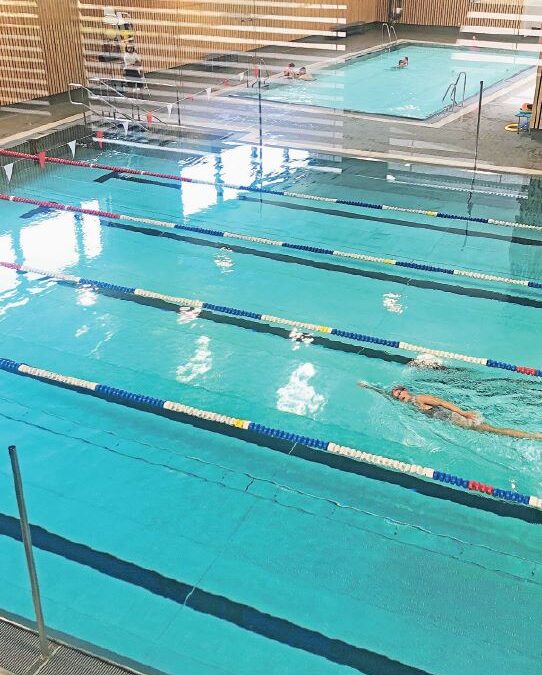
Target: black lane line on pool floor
463, 231
341, 463
244, 616
332, 266
246, 323
339, 213
322, 264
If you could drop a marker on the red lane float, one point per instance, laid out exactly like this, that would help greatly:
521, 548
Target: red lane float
60, 207
104, 167
480, 487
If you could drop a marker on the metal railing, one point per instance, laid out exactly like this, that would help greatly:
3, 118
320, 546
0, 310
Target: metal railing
118, 113
133, 102
389, 31
263, 73
451, 91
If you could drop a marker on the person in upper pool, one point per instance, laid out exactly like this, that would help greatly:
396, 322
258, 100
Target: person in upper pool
403, 63
440, 409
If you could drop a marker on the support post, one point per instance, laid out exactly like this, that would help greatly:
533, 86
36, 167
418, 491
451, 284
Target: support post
481, 96
260, 115
27, 541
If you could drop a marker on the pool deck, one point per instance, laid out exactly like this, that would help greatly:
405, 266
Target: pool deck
448, 142
20, 655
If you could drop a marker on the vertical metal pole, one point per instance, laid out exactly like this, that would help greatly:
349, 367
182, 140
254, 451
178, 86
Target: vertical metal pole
478, 123
260, 115
27, 541
178, 108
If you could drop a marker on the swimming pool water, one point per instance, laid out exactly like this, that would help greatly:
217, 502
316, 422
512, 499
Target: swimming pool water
373, 83
227, 556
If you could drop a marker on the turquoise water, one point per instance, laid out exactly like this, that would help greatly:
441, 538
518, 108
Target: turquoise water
418, 580
373, 83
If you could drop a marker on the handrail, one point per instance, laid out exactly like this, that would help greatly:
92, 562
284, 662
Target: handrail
267, 75
122, 113
452, 90
386, 27
128, 98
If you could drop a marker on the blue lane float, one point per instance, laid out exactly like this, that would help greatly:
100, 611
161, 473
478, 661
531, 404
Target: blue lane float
266, 241
269, 318
42, 159
181, 411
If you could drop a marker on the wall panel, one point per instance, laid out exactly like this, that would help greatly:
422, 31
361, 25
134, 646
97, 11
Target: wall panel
454, 12
366, 11
39, 48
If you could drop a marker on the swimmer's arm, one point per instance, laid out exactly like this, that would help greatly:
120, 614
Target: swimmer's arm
377, 390
425, 399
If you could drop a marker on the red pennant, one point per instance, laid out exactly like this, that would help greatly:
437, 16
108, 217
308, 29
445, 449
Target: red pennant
41, 159
256, 71
99, 136
226, 83
149, 118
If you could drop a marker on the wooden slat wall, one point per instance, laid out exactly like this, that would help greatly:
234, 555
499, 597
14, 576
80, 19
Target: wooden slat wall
39, 48
61, 37
454, 12
173, 32
22, 67
362, 11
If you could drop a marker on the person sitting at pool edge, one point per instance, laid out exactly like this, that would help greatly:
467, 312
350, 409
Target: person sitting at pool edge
302, 74
403, 63
289, 72
440, 409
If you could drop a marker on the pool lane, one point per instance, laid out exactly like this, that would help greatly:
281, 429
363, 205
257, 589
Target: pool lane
278, 378
228, 520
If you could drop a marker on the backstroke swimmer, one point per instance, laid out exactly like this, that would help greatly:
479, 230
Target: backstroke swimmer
440, 409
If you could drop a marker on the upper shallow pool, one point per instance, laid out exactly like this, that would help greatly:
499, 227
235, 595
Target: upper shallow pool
372, 83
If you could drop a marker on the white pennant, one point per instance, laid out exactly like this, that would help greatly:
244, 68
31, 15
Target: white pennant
241, 76
125, 125
72, 145
8, 168
169, 109
208, 91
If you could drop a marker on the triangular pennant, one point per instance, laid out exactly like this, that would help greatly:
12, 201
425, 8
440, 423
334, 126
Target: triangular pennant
169, 109
208, 92
125, 125
8, 168
72, 145
241, 76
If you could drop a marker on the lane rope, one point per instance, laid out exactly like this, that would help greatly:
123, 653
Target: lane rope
133, 400
268, 318
266, 241
282, 193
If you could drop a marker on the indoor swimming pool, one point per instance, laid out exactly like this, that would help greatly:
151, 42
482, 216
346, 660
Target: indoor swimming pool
372, 83
210, 546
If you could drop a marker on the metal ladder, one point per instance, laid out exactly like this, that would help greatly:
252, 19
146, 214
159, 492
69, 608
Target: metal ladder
388, 29
451, 91
138, 103
118, 114
264, 70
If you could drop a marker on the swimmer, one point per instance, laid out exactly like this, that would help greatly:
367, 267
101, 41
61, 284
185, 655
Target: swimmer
440, 409
304, 75
403, 63
289, 72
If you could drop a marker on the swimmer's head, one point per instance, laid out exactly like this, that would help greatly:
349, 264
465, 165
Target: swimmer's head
401, 393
